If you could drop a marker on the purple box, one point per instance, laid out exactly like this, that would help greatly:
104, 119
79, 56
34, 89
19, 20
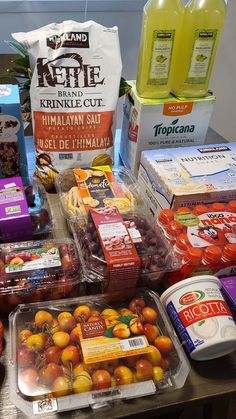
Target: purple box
228, 288
15, 221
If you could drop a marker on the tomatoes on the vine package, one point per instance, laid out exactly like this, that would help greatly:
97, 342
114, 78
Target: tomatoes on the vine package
92, 350
204, 238
37, 271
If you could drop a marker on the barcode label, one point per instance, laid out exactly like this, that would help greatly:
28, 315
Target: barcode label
133, 343
44, 406
107, 393
126, 391
135, 235
65, 156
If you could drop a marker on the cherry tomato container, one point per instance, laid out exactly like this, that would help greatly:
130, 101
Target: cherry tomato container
91, 351
25, 213
37, 271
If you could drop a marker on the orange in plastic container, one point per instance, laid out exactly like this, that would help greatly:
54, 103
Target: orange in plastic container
173, 229
211, 260
191, 261
200, 209
182, 243
217, 207
231, 206
212, 255
182, 210
229, 254
166, 216
210, 228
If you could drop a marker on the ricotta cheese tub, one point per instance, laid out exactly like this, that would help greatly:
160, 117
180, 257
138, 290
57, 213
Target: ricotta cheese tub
201, 317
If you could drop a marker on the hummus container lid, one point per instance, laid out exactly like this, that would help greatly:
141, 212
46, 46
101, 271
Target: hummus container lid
201, 316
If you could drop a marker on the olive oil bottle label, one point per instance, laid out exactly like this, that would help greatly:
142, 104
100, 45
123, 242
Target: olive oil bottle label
161, 57
203, 47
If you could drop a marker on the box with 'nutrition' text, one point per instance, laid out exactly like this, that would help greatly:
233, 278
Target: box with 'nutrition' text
188, 176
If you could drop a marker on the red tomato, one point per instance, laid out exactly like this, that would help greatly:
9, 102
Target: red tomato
164, 344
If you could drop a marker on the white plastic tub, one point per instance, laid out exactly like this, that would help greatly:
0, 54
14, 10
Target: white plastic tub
201, 316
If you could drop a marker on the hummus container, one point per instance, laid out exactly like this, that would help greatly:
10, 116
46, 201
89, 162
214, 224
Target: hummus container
201, 316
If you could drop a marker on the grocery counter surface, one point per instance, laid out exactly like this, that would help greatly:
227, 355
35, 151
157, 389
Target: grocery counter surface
211, 383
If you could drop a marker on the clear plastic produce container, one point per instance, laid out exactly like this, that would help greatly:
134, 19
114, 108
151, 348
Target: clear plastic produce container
39, 208
90, 351
118, 242
37, 271
94, 187
25, 213
203, 238
142, 255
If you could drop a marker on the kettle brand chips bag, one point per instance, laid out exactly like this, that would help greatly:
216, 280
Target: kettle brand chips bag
74, 91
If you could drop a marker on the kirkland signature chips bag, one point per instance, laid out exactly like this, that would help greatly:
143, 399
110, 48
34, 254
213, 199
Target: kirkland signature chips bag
74, 91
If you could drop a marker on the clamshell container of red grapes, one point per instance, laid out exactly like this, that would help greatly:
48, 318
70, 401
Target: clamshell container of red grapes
40, 270
91, 351
120, 245
139, 256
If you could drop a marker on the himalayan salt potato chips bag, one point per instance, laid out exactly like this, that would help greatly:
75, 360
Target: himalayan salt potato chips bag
74, 91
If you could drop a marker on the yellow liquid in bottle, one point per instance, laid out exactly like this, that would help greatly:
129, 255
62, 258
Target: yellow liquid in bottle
194, 59
162, 21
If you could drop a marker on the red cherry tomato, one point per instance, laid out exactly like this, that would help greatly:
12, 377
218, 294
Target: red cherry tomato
164, 344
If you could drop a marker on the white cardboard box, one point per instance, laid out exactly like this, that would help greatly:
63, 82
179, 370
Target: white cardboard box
188, 176
151, 124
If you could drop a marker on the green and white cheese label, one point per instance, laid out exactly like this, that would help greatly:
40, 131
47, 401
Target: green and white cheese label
161, 57
202, 53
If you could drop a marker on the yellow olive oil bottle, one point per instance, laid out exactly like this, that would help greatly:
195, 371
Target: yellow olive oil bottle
194, 58
161, 26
